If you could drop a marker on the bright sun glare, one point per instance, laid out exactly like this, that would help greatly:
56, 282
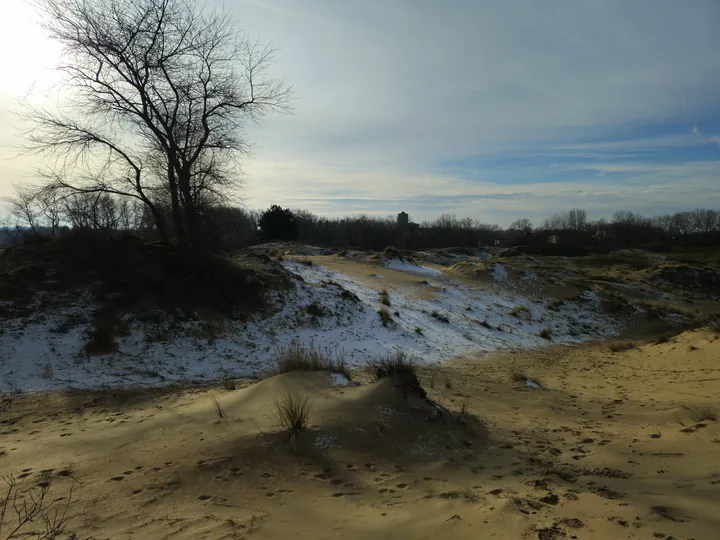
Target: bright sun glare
28, 57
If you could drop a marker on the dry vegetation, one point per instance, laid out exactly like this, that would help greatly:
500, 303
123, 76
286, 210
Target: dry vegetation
299, 357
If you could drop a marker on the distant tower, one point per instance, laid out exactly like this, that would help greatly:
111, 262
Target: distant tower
403, 219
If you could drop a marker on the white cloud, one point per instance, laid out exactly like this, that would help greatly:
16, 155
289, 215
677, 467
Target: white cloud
387, 91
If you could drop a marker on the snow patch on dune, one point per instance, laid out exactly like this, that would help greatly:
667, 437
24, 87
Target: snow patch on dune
325, 308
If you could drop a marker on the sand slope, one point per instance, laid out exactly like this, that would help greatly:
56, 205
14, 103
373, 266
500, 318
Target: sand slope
612, 449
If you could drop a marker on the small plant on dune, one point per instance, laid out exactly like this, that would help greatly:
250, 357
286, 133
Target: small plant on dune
439, 316
385, 316
664, 338
401, 368
228, 382
218, 409
519, 310
293, 413
298, 357
700, 413
393, 364
306, 262
485, 323
620, 346
385, 298
419, 331
546, 333
392, 252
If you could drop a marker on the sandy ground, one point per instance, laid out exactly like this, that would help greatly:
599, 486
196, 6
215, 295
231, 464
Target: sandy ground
618, 445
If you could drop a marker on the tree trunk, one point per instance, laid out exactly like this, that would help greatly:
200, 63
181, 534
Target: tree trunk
177, 213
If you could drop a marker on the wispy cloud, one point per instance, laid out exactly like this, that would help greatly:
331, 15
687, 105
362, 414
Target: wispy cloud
488, 108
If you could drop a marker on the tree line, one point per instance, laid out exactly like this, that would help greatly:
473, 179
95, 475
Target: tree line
228, 228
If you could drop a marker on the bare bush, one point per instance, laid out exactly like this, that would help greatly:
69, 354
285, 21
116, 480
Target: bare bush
29, 512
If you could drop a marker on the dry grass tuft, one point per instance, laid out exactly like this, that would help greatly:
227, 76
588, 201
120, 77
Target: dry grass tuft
385, 316
385, 298
298, 357
700, 413
218, 409
293, 413
440, 316
401, 368
546, 333
622, 345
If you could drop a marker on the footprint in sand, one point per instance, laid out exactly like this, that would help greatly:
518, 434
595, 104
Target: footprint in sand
204, 497
117, 478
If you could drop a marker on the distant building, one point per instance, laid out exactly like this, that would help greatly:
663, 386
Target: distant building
403, 219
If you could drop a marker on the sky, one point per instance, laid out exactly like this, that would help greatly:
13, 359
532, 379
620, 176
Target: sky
492, 109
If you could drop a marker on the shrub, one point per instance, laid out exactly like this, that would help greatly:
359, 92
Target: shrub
293, 412
546, 333
519, 310
419, 330
385, 298
391, 252
298, 357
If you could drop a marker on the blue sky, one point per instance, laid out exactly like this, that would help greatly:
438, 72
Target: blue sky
492, 109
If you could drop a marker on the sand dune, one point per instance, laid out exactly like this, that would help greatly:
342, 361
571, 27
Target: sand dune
618, 445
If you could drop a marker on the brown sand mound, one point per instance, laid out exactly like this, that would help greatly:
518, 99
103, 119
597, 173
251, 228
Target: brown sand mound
622, 442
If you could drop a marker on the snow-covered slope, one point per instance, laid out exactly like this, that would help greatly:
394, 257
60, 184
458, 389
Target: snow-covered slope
326, 308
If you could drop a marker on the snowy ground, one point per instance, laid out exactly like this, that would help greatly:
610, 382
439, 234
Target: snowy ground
326, 309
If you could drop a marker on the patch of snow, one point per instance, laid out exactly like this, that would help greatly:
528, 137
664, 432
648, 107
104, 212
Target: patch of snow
46, 353
338, 379
376, 276
499, 273
532, 384
325, 442
406, 266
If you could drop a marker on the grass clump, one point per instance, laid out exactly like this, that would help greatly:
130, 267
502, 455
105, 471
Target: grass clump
298, 357
440, 317
620, 346
419, 331
385, 316
546, 333
390, 365
700, 413
293, 413
385, 298
400, 367
519, 310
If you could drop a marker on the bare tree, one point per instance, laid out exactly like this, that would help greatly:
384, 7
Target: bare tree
523, 225
158, 94
577, 219
36, 209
